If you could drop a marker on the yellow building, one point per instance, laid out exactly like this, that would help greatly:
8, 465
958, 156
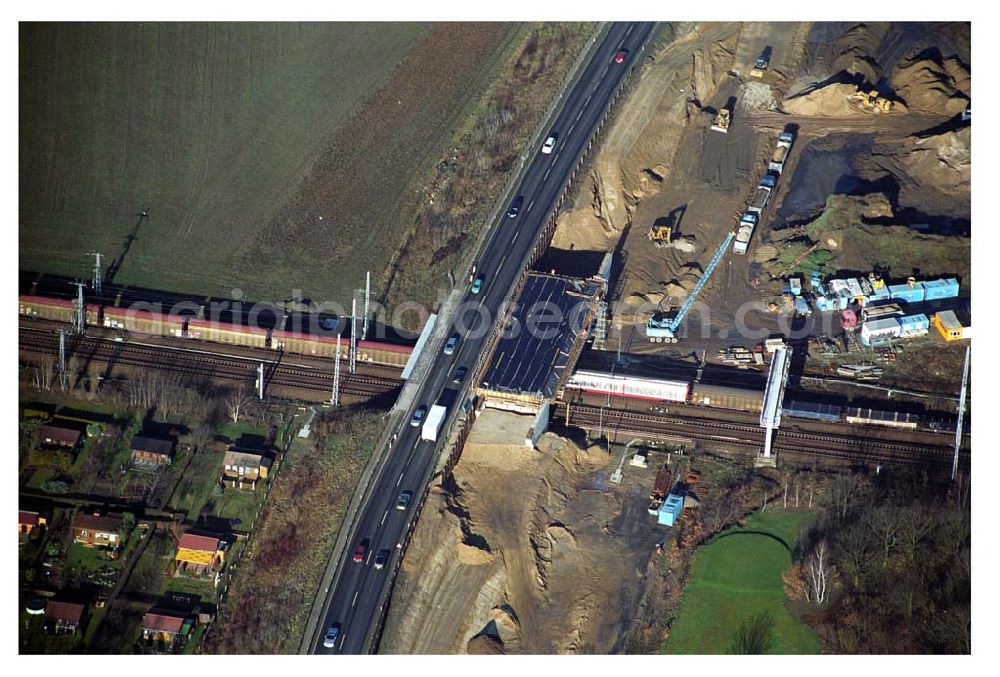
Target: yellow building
948, 325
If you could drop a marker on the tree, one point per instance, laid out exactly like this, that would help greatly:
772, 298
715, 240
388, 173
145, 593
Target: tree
236, 400
818, 571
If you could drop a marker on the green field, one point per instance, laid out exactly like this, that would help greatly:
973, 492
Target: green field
738, 575
207, 126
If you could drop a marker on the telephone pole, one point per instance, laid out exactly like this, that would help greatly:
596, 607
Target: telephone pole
335, 397
62, 359
97, 271
961, 413
260, 381
81, 312
368, 291
354, 334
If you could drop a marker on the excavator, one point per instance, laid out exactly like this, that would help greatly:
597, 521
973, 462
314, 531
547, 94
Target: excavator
661, 236
870, 101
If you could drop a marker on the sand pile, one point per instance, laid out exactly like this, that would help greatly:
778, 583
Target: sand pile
828, 101
933, 84
943, 160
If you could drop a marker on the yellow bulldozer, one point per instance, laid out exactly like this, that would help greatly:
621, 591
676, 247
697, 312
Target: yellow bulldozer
870, 100
660, 235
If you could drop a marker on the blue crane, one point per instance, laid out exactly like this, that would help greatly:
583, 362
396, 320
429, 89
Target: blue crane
660, 328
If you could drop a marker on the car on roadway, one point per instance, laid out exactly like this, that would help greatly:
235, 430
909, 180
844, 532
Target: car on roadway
381, 558
332, 633
550, 143
477, 285
403, 502
360, 551
418, 415
459, 374
449, 347
621, 55
515, 206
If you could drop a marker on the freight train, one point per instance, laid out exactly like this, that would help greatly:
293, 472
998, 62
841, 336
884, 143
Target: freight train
187, 325
729, 397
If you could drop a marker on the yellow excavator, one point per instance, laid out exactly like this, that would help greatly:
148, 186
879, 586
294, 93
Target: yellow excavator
870, 101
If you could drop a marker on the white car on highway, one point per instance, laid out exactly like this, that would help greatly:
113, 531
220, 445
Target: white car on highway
549, 144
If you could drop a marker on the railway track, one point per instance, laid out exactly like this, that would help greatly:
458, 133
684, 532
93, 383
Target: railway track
207, 364
862, 447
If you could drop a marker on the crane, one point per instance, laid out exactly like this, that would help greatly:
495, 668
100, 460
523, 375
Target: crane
659, 328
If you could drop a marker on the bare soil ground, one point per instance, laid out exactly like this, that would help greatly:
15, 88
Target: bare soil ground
527, 547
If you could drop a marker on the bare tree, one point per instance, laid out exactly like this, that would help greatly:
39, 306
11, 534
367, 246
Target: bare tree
786, 474
236, 400
818, 570
885, 524
843, 490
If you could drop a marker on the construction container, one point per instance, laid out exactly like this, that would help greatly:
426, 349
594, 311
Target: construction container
815, 410
671, 510
940, 289
894, 419
876, 312
801, 307
910, 293
878, 330
948, 325
880, 293
913, 325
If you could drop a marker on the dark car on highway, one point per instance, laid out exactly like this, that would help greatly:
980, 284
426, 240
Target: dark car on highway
381, 558
332, 633
404, 500
515, 206
418, 415
459, 374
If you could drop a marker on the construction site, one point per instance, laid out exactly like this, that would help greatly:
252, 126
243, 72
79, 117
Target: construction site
787, 209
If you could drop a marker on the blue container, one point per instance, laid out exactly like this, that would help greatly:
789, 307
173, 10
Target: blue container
912, 325
817, 410
880, 294
905, 292
671, 509
940, 289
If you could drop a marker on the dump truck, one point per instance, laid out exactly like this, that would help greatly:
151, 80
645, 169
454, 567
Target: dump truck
758, 201
660, 235
721, 123
781, 151
432, 426
744, 232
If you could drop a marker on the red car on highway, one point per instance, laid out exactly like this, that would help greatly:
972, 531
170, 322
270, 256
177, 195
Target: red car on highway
621, 55
360, 552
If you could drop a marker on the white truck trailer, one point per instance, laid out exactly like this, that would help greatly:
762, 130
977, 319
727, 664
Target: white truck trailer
784, 147
432, 426
744, 232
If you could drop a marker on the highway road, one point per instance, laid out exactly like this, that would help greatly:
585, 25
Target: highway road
357, 592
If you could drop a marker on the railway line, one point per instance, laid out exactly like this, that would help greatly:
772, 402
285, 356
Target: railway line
867, 445
209, 364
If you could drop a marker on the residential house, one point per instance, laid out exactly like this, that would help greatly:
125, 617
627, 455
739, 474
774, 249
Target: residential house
244, 468
165, 626
63, 617
152, 451
97, 529
198, 555
55, 435
28, 521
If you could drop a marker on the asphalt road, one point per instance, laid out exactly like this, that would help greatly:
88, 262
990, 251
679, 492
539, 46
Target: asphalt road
358, 589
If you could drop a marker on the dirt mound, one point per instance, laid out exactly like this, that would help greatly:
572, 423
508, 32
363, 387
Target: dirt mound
933, 84
485, 645
828, 101
757, 96
944, 160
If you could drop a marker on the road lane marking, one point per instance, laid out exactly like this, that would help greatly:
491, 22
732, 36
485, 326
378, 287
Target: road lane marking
366, 564
500, 267
572, 127
401, 475
544, 178
629, 31
530, 205
516, 233
384, 515
355, 600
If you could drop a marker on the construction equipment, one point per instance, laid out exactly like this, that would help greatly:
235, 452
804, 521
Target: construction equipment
721, 123
660, 236
761, 64
659, 327
870, 100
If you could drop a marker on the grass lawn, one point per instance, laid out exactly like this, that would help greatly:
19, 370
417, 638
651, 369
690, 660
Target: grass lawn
737, 575
195, 487
240, 504
81, 557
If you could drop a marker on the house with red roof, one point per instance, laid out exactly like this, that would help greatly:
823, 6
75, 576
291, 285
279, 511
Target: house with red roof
63, 617
199, 554
166, 626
